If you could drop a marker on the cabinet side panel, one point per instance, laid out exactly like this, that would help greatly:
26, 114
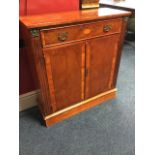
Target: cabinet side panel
121, 41
45, 100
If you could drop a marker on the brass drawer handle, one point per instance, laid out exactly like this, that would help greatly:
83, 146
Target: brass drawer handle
62, 36
107, 28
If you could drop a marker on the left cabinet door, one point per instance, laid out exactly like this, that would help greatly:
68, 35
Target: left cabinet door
65, 67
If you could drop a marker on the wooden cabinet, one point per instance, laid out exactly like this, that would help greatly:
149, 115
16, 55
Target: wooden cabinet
76, 58
81, 70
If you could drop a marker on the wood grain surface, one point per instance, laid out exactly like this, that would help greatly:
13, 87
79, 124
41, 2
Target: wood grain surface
70, 17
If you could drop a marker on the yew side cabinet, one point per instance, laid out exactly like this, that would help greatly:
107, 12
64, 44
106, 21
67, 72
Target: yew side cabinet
76, 57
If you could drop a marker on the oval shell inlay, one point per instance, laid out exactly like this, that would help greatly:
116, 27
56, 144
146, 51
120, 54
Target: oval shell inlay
86, 31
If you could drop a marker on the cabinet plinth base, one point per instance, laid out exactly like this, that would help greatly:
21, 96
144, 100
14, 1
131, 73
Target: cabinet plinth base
79, 107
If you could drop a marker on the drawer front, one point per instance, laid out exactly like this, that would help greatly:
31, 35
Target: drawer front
79, 32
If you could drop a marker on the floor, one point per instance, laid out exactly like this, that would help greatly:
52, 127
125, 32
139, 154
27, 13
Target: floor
107, 129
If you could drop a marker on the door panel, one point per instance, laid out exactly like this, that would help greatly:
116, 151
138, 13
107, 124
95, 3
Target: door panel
65, 71
100, 63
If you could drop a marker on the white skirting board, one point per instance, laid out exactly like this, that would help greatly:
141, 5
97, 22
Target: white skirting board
28, 100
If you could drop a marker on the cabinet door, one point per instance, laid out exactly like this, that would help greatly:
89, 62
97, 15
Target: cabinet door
65, 67
101, 56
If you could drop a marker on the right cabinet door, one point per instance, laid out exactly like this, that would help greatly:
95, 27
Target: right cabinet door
101, 55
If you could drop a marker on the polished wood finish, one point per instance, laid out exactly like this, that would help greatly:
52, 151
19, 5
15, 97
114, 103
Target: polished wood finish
65, 71
76, 63
119, 52
80, 32
70, 17
46, 100
100, 63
